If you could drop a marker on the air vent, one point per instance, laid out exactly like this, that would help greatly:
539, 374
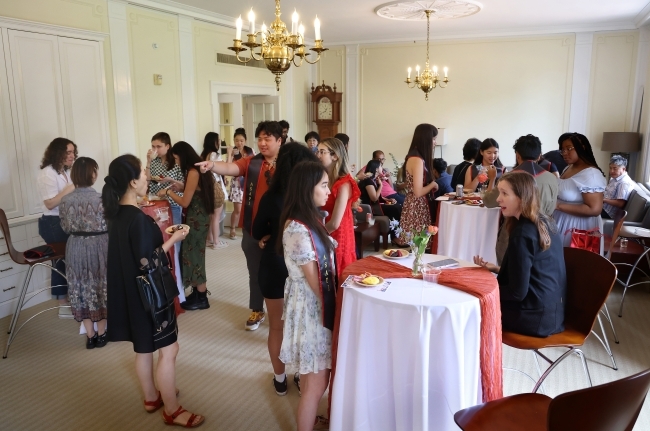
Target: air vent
232, 59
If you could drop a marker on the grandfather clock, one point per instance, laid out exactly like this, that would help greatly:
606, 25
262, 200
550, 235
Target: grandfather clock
327, 109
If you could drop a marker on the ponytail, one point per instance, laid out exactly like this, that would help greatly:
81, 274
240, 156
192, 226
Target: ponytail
121, 172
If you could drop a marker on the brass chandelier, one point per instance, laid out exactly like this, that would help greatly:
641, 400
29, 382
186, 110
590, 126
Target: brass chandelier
279, 47
429, 78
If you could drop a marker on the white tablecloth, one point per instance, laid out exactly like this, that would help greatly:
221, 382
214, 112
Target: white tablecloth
466, 231
408, 358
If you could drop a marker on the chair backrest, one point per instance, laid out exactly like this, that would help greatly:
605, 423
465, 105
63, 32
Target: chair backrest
450, 169
613, 406
619, 218
590, 278
636, 206
4, 224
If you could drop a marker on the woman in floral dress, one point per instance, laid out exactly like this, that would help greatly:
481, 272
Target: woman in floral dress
419, 182
344, 193
310, 298
237, 183
82, 217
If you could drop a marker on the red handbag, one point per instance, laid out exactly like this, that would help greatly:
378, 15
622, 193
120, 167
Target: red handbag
586, 239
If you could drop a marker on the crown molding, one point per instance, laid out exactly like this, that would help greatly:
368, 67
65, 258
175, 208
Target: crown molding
182, 9
20, 24
530, 31
643, 17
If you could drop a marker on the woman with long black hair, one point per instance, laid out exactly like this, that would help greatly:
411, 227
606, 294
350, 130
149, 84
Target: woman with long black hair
273, 271
419, 182
211, 148
132, 237
310, 289
198, 198
487, 167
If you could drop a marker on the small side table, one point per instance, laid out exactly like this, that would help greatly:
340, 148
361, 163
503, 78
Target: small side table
364, 235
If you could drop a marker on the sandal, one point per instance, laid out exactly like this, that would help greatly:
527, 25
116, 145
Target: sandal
233, 233
322, 423
152, 406
169, 419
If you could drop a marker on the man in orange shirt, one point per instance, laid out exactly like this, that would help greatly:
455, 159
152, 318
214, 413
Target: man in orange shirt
257, 172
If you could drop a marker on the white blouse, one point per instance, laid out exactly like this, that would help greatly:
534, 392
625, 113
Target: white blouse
50, 184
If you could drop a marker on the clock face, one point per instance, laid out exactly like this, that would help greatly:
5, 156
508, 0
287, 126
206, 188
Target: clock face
324, 109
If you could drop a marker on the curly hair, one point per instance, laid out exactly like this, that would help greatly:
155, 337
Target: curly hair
583, 148
56, 153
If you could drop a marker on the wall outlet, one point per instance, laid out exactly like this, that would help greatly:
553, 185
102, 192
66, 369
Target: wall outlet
157, 79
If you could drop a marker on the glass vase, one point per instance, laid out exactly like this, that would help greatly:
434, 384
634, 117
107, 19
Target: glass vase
417, 263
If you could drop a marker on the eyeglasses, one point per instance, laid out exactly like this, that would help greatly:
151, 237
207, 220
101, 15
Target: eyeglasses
567, 150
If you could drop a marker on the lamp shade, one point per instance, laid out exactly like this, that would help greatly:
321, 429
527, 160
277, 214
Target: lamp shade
621, 142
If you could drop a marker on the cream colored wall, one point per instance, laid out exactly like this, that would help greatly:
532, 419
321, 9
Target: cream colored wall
157, 108
612, 88
500, 89
301, 102
84, 14
331, 69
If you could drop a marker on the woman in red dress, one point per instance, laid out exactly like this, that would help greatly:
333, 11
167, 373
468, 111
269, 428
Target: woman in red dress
345, 194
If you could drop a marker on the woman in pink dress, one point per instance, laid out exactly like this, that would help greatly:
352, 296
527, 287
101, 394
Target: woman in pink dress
345, 193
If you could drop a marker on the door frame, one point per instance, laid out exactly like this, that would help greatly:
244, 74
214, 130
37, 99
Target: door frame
217, 88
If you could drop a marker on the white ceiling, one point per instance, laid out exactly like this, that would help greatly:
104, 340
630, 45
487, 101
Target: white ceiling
354, 21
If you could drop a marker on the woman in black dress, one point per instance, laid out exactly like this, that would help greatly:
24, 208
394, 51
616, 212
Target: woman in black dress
273, 271
133, 236
371, 193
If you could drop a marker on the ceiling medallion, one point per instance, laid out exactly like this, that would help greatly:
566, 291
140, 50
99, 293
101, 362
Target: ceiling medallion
439, 9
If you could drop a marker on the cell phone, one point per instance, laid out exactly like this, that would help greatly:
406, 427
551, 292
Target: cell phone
445, 263
458, 202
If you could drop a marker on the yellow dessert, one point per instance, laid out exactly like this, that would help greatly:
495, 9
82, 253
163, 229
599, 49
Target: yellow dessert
371, 280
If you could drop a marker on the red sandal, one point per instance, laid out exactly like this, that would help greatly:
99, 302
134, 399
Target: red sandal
153, 406
169, 419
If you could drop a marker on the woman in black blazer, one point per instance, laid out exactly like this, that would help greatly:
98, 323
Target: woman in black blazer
532, 277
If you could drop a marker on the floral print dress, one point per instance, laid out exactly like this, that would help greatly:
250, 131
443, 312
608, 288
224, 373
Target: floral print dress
86, 255
307, 344
415, 211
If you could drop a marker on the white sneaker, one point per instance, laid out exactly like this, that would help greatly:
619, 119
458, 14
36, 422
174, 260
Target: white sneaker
65, 313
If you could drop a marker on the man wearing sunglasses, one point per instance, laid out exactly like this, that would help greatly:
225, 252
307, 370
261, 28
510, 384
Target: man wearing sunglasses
257, 172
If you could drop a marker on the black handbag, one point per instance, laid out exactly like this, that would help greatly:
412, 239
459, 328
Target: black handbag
158, 289
39, 252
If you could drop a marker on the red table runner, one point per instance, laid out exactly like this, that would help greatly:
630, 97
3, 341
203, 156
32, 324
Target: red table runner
151, 212
478, 282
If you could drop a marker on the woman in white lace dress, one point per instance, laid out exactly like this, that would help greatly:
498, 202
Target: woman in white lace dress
309, 289
581, 188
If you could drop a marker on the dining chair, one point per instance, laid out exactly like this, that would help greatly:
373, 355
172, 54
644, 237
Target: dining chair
614, 406
590, 278
618, 220
640, 235
18, 258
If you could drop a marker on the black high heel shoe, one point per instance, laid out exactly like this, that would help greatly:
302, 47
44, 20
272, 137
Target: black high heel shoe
91, 342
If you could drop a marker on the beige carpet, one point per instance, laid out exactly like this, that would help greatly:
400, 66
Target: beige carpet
50, 382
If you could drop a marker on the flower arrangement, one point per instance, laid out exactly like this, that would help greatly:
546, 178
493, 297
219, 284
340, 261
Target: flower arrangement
417, 240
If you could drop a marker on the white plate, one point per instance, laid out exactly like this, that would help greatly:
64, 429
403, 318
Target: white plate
168, 230
393, 257
381, 281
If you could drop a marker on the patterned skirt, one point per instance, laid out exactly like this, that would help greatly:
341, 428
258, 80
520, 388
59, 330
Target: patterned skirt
86, 258
236, 192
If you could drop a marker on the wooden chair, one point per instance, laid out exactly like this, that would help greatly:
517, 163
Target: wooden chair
18, 258
590, 278
613, 406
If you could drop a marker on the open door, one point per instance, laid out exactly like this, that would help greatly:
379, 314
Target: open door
259, 108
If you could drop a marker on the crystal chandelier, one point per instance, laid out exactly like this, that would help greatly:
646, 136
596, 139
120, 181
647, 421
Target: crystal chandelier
429, 78
278, 47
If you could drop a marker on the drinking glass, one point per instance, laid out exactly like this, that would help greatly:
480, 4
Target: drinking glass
430, 274
163, 214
